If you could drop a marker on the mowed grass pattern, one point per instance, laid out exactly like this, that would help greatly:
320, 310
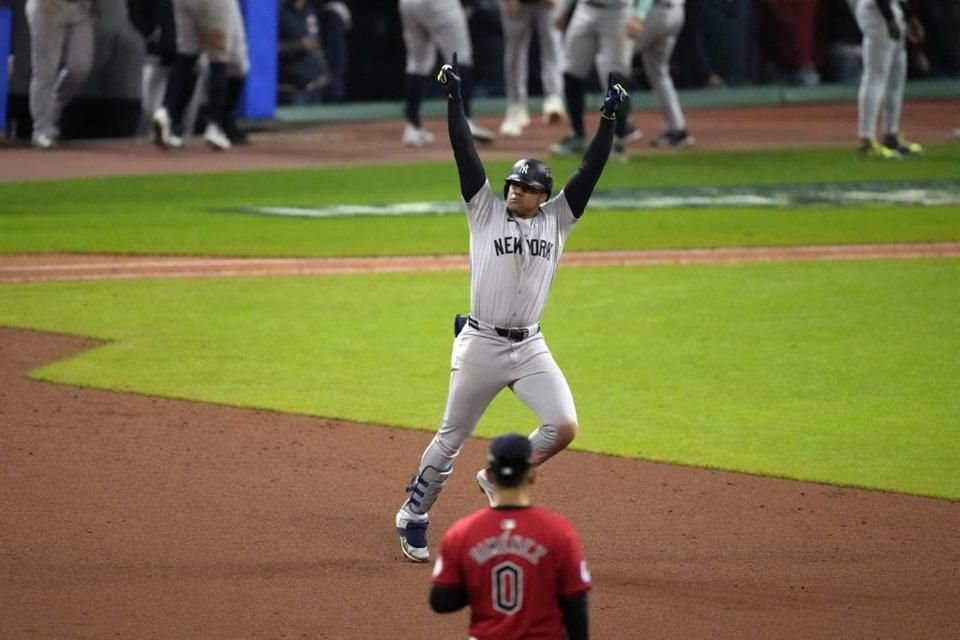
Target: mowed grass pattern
187, 215
839, 372
835, 372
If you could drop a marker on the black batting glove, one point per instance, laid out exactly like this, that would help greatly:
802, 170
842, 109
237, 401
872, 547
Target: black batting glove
449, 77
614, 98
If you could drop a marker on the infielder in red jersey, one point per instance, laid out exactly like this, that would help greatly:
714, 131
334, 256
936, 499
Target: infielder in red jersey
520, 568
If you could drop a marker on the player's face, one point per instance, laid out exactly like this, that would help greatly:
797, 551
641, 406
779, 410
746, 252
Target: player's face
523, 200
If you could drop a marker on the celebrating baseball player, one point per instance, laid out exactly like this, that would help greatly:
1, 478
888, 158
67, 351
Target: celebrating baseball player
885, 24
520, 568
515, 248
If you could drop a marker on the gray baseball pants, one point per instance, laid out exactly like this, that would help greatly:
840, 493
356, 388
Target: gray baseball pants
432, 24
597, 36
884, 70
206, 26
61, 55
517, 33
655, 44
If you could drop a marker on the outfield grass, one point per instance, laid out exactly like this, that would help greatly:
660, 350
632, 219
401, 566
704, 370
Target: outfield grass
835, 372
183, 215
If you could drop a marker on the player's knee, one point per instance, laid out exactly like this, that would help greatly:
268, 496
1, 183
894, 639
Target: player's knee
449, 442
566, 432
215, 44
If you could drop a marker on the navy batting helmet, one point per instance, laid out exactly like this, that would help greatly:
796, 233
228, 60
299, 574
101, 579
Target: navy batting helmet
531, 172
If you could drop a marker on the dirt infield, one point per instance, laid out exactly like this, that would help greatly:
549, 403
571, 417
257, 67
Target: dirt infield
136, 517
47, 268
130, 516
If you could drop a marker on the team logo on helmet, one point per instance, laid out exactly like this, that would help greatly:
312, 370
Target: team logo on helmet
531, 172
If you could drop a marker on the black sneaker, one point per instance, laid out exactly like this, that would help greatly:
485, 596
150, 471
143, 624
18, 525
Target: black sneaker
672, 139
570, 145
630, 135
902, 146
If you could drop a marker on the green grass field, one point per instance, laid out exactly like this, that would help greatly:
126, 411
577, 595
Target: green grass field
182, 215
838, 372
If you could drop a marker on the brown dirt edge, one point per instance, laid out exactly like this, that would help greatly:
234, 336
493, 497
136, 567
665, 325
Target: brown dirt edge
32, 268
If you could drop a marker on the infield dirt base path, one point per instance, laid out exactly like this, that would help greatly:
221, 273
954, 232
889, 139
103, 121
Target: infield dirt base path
47, 268
126, 516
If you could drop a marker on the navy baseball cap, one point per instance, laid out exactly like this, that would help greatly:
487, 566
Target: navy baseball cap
509, 458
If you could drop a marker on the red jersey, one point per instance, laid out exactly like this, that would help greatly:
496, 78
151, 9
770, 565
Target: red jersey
515, 565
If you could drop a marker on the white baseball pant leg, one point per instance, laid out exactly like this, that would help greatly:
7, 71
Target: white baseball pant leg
517, 33
61, 55
896, 83
153, 84
655, 43
879, 52
205, 26
481, 367
237, 51
614, 47
429, 25
551, 50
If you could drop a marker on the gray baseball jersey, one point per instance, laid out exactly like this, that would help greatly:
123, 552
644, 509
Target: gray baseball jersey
884, 69
662, 22
61, 57
429, 25
513, 260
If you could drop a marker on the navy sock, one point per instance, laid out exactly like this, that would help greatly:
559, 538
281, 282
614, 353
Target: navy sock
217, 92
414, 94
573, 92
179, 91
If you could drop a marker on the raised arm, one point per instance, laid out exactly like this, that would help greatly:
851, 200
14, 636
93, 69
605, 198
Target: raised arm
469, 167
580, 187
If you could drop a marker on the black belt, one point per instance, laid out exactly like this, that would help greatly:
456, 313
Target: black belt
514, 334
